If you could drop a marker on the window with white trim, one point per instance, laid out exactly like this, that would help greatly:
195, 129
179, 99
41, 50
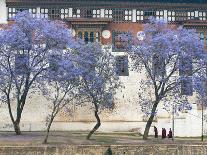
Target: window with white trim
108, 13
202, 15
97, 13
160, 14
64, 13
140, 15
44, 12
33, 12
11, 12
128, 15
191, 15
171, 16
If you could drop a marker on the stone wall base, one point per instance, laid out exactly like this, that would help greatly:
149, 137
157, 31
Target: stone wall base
158, 149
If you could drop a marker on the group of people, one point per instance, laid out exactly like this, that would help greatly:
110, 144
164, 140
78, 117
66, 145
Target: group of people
163, 133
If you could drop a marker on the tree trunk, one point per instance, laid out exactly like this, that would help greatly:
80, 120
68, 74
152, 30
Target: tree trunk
17, 127
98, 124
48, 130
149, 122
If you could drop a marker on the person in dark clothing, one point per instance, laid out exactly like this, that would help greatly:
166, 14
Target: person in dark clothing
170, 134
156, 132
163, 133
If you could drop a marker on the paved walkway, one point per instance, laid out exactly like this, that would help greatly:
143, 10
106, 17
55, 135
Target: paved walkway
79, 138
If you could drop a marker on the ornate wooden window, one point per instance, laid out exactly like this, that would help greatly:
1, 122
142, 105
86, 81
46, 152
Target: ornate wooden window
44, 12
191, 15
98, 36
122, 65
89, 36
97, 13
160, 14
80, 35
108, 13
120, 42
140, 15
76, 12
148, 14
54, 13
118, 15
33, 12
11, 12
86, 39
128, 15
64, 13
202, 15
181, 15
89, 13
171, 16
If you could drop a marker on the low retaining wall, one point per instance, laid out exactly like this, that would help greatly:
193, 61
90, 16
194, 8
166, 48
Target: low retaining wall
159, 149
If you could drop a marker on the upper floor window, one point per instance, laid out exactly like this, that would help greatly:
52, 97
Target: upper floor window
76, 13
171, 16
140, 15
202, 15
96, 13
118, 15
108, 13
181, 15
148, 14
89, 14
33, 12
44, 12
120, 41
160, 14
128, 15
64, 13
191, 15
11, 12
54, 13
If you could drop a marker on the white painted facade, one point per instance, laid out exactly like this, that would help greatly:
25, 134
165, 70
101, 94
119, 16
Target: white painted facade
126, 116
3, 12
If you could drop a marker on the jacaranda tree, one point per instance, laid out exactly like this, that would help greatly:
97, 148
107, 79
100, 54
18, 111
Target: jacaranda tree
60, 83
171, 58
98, 79
24, 49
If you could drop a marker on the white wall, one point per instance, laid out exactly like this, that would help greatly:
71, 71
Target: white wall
3, 12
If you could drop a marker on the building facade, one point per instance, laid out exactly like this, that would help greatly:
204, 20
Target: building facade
103, 21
